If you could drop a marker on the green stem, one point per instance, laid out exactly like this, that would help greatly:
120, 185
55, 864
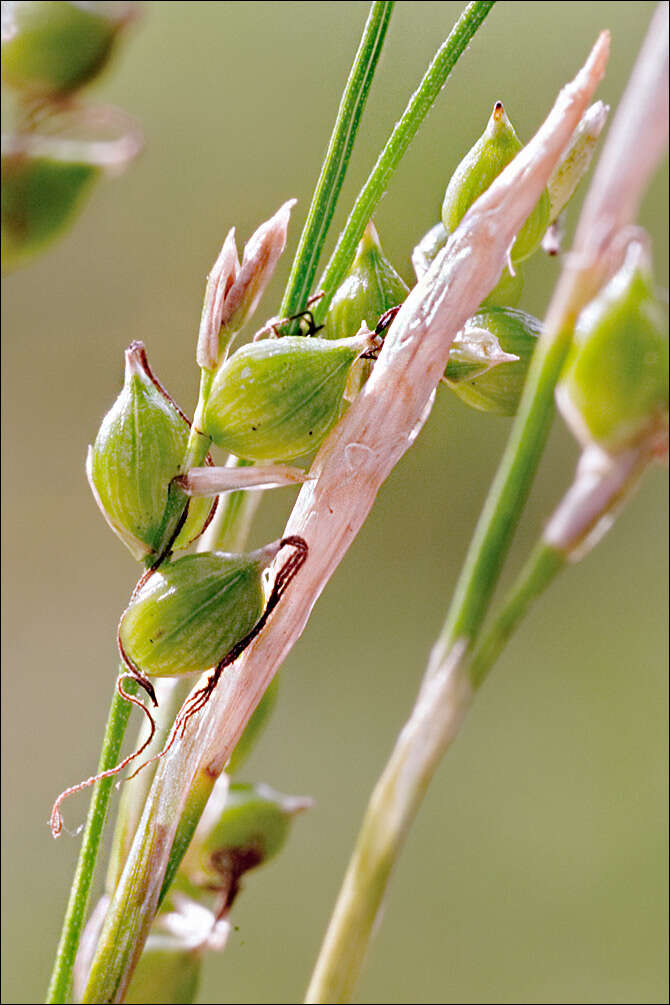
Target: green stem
540, 569
403, 133
509, 491
171, 694
336, 160
443, 701
198, 442
199, 793
61, 979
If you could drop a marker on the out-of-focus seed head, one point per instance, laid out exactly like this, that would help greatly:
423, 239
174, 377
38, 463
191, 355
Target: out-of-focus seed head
492, 152
243, 826
40, 199
278, 398
574, 163
614, 389
48, 171
135, 456
489, 359
50, 49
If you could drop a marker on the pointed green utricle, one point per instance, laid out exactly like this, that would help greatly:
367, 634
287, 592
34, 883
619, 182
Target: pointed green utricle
614, 388
136, 454
278, 398
371, 287
191, 612
492, 152
489, 359
40, 198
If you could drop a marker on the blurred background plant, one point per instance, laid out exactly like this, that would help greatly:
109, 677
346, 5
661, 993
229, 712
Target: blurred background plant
58, 145
607, 860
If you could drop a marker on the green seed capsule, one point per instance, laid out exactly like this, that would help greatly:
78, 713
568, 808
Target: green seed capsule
614, 388
191, 611
40, 198
136, 454
278, 398
498, 145
489, 359
241, 829
372, 286
506, 293
53, 48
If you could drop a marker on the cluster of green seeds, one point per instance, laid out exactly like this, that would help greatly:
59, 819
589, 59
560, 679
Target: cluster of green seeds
277, 398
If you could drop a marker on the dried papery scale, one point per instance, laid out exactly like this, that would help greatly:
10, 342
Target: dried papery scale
208, 481
254, 728
494, 150
235, 288
276, 399
489, 359
51, 49
506, 293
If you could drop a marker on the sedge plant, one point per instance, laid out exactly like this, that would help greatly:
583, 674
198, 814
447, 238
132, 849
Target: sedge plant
338, 384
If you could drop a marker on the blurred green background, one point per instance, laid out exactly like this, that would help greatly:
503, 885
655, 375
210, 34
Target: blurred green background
536, 870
